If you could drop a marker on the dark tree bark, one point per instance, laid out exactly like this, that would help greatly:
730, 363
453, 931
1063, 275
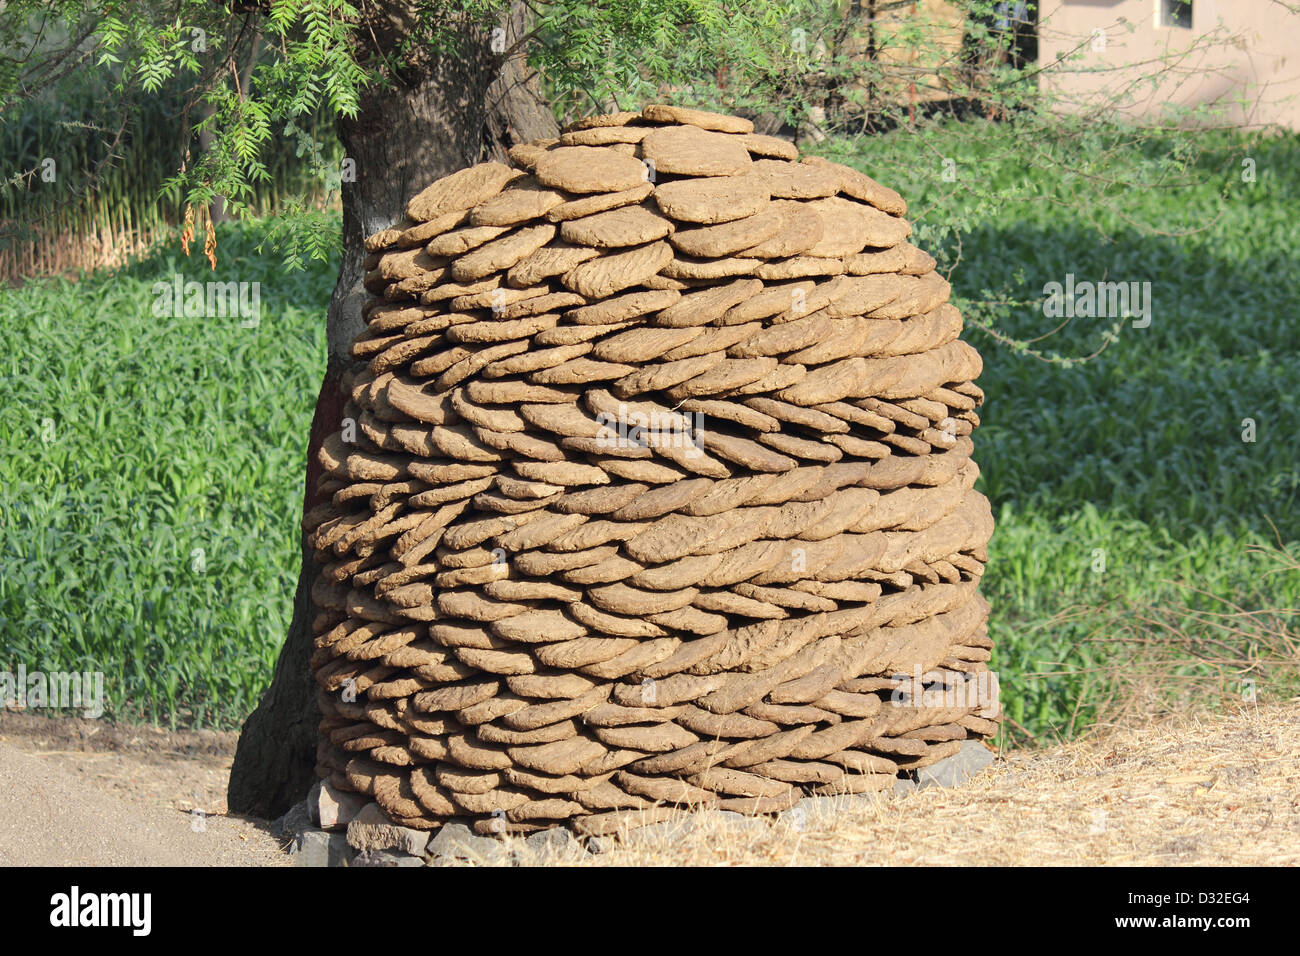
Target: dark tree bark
437, 115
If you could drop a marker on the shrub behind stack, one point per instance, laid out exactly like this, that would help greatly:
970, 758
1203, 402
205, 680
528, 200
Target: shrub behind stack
656, 490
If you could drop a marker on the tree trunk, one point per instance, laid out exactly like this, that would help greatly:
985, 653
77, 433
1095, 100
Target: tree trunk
438, 116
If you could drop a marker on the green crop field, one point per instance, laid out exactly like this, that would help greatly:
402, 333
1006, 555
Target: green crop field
151, 479
151, 467
1135, 552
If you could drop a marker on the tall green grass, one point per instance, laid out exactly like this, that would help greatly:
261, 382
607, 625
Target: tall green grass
151, 480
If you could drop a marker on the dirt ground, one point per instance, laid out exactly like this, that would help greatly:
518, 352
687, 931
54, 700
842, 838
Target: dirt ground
1207, 790
86, 793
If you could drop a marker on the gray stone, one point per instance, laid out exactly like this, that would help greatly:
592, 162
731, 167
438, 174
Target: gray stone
599, 844
554, 840
860, 801
808, 809
903, 787
295, 820
385, 858
958, 769
313, 802
318, 848
726, 819
372, 830
655, 832
795, 817
457, 841
334, 809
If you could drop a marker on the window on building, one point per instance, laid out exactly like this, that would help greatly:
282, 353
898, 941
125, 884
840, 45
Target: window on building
1176, 13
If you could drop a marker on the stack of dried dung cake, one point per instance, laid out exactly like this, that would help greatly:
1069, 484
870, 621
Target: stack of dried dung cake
656, 490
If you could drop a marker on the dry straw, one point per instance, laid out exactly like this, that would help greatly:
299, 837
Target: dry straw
656, 491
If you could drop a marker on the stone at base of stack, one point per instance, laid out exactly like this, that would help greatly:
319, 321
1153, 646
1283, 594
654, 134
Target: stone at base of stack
656, 491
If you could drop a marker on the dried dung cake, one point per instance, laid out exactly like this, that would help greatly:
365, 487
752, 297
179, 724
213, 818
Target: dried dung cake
656, 488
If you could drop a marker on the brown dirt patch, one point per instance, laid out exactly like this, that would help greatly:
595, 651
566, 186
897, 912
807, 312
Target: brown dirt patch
84, 792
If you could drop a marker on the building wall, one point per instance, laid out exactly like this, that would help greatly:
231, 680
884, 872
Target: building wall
1251, 66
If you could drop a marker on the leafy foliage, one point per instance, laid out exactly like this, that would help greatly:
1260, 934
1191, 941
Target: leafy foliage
252, 75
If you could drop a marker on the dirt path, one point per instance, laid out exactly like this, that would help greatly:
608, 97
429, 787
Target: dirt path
1208, 791
79, 793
